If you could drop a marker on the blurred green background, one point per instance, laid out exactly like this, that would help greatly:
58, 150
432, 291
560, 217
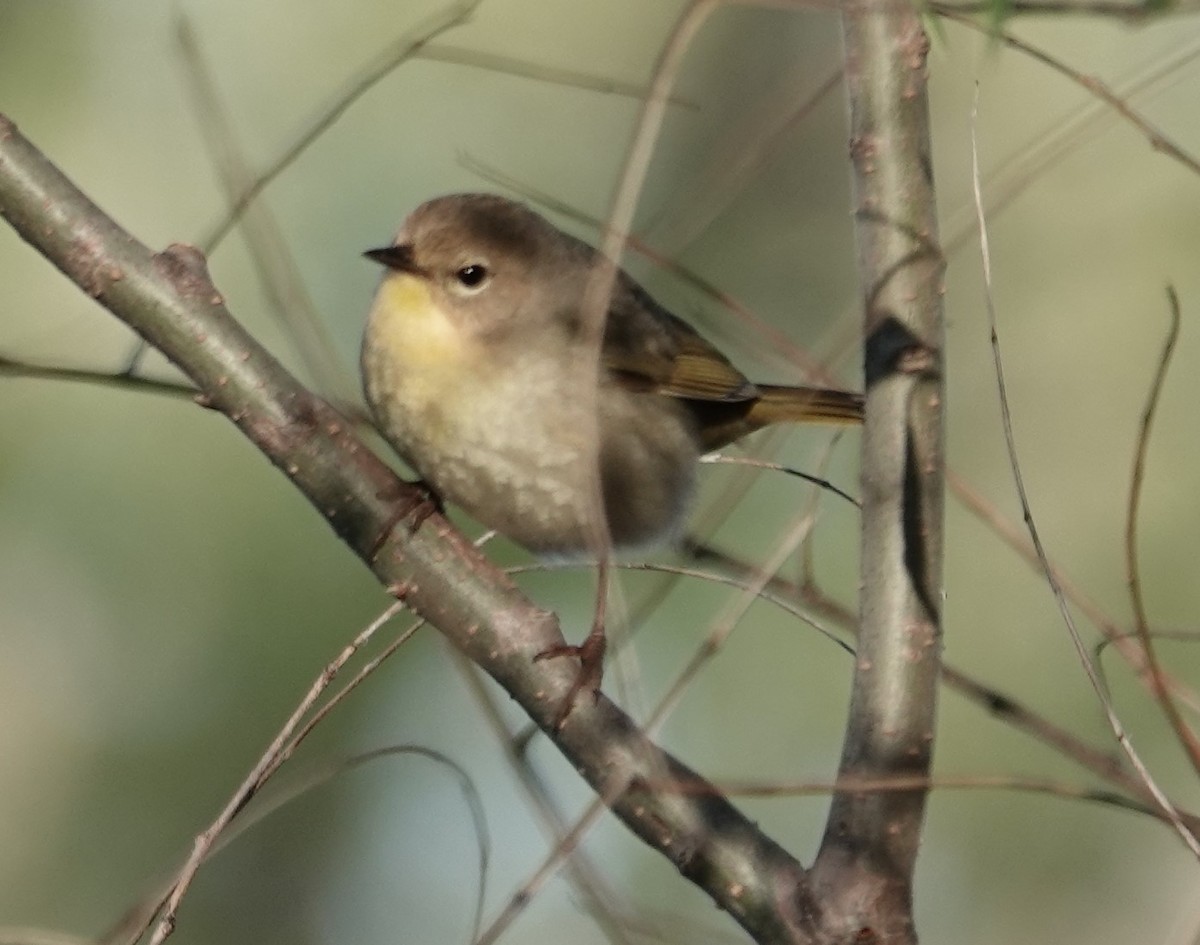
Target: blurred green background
166, 597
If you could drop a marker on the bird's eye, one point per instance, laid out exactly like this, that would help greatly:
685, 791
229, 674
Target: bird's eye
472, 276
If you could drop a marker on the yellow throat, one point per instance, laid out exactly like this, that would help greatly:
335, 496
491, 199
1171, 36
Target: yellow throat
416, 332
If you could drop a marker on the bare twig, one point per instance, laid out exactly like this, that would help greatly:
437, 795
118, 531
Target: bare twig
720, 459
1132, 11
1183, 636
278, 273
749, 581
571, 78
1052, 144
1085, 659
808, 572
1094, 86
252, 783
543, 874
1007, 531
727, 621
752, 590
399, 51
597, 898
1000, 705
135, 922
1162, 692
11, 935
750, 145
474, 806
12, 367
776, 788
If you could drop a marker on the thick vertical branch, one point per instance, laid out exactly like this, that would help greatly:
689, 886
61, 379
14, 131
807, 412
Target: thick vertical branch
864, 869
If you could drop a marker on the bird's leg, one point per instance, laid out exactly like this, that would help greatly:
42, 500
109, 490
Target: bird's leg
590, 651
417, 502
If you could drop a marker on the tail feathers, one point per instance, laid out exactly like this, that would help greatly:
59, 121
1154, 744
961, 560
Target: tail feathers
722, 423
805, 405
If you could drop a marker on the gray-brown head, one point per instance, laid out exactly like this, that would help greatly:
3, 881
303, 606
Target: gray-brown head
488, 260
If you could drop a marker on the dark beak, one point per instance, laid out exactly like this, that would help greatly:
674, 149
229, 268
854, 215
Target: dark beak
394, 257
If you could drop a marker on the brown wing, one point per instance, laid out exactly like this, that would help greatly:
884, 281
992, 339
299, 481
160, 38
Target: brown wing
647, 348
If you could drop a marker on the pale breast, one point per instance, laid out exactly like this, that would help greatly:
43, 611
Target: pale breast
513, 436
504, 437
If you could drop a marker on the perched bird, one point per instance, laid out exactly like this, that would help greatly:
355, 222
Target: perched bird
478, 363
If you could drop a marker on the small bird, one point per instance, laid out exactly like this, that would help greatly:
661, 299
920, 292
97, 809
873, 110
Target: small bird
473, 361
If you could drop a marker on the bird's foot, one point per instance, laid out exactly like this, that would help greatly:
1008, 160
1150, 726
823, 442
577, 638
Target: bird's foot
416, 503
591, 669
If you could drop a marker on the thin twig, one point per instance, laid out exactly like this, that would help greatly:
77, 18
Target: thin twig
543, 873
727, 621
778, 789
707, 649
1132, 11
1018, 540
587, 881
720, 459
996, 703
338, 697
808, 579
1094, 86
278, 274
395, 55
270, 803
474, 806
1162, 692
571, 78
746, 582
386, 62
1027, 164
254, 780
1183, 636
753, 142
1085, 659
598, 289
12, 367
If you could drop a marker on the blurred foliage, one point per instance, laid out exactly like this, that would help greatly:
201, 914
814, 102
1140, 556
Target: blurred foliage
165, 597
